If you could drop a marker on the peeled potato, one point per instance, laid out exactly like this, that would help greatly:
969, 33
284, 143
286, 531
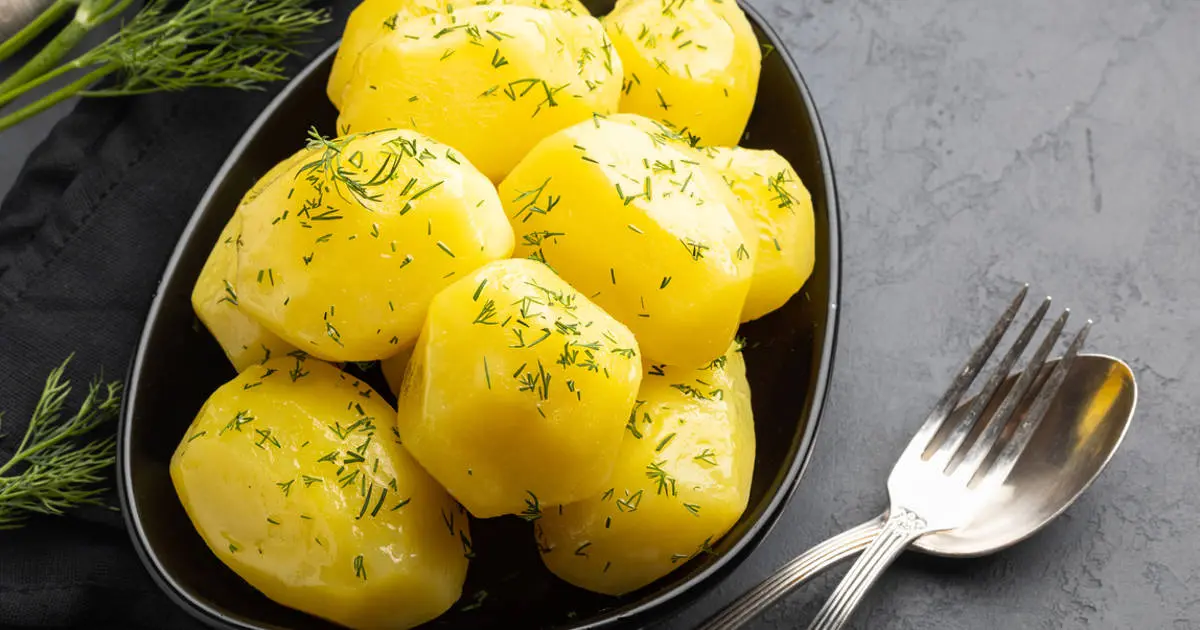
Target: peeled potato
374, 19
490, 81
694, 63
681, 480
642, 228
368, 22
517, 392
745, 195
779, 206
393, 369
214, 298
295, 480
342, 253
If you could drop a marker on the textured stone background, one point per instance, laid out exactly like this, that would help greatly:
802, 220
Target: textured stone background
979, 144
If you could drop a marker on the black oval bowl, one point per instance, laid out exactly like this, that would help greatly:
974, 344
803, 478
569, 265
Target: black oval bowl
177, 365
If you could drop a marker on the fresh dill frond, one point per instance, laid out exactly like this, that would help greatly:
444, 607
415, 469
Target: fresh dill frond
214, 43
50, 471
171, 46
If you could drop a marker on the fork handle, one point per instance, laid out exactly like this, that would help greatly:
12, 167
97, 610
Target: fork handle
790, 576
902, 528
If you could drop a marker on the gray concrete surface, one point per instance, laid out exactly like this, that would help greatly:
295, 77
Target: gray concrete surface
980, 144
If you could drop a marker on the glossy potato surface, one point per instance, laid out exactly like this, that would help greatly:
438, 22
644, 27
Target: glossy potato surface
490, 81
694, 63
342, 253
292, 475
214, 298
393, 369
681, 480
373, 19
641, 227
517, 391
780, 208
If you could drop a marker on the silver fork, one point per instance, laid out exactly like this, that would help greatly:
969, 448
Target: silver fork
937, 485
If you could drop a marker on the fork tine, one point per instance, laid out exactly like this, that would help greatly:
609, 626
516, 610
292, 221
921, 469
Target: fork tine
950, 399
1004, 463
991, 433
959, 432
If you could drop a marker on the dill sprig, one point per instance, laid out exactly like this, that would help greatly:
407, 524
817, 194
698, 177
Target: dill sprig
533, 508
205, 43
50, 472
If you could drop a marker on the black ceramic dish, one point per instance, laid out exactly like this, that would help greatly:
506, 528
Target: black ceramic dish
177, 365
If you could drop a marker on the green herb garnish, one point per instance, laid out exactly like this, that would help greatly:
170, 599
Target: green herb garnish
48, 472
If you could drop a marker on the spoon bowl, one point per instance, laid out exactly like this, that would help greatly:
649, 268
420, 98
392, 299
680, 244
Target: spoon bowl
1082, 429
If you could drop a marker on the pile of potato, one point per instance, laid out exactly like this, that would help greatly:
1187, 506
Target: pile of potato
537, 222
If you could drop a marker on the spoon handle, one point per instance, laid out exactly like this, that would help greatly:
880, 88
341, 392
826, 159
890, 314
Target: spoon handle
793, 574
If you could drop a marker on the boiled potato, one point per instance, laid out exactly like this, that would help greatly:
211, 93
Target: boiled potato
694, 63
244, 340
663, 132
214, 296
294, 478
516, 394
681, 480
368, 22
490, 81
780, 207
393, 369
772, 203
373, 19
342, 253
642, 228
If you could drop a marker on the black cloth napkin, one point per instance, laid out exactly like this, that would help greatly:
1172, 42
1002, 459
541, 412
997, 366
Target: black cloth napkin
84, 236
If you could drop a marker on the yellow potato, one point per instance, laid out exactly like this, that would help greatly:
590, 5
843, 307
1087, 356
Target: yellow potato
393, 368
780, 208
639, 226
373, 19
681, 480
214, 296
369, 22
773, 204
342, 253
694, 63
490, 81
244, 340
516, 394
293, 476
662, 131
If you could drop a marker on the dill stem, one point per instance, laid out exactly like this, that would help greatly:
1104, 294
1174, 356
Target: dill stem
42, 22
47, 57
21, 454
10, 94
17, 454
52, 99
219, 43
88, 15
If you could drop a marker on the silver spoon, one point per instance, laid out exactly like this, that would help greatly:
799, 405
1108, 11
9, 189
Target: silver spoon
1081, 430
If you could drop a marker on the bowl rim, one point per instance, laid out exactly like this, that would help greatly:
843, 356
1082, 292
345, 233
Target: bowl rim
693, 586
